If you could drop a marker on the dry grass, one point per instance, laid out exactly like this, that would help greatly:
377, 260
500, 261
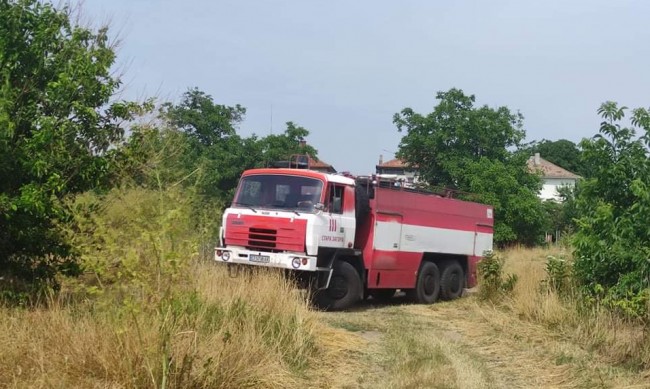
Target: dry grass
155, 318
148, 314
616, 340
223, 332
407, 349
428, 359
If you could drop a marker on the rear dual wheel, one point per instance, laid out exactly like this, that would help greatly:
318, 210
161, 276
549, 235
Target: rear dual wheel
432, 283
427, 287
452, 281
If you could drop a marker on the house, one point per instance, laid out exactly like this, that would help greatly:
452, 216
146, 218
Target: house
314, 164
320, 166
553, 177
399, 168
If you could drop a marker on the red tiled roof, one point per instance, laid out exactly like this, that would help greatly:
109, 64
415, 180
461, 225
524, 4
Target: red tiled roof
320, 165
316, 163
394, 163
549, 170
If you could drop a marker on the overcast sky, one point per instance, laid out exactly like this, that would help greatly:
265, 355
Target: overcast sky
343, 68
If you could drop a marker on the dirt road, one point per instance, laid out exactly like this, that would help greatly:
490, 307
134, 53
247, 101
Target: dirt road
466, 344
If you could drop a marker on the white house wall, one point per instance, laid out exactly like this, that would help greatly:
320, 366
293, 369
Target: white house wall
550, 186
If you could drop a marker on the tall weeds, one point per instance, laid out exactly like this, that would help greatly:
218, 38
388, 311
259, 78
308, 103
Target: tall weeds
545, 293
493, 283
149, 313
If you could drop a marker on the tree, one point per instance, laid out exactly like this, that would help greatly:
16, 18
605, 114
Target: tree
202, 119
563, 153
56, 127
475, 150
217, 153
612, 243
454, 133
561, 215
163, 154
282, 146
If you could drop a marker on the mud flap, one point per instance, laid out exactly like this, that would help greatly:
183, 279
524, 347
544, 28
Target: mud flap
323, 279
233, 270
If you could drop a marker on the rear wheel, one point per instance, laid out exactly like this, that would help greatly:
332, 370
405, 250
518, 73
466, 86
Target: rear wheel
452, 281
344, 289
427, 287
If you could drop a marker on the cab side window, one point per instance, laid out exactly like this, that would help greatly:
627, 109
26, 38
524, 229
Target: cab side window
335, 198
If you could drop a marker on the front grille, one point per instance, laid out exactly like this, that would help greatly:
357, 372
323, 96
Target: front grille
262, 238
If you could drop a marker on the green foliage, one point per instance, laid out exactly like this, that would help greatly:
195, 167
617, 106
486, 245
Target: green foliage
493, 283
562, 215
203, 120
559, 275
56, 127
282, 146
612, 242
507, 187
133, 238
440, 142
468, 148
629, 304
214, 150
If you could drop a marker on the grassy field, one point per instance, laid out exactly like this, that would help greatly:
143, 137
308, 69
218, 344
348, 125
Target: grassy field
218, 332
211, 330
621, 342
530, 338
148, 312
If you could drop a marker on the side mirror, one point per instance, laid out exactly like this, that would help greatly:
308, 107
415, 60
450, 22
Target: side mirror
319, 207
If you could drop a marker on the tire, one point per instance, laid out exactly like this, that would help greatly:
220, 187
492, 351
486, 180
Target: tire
452, 281
382, 295
344, 289
362, 204
427, 287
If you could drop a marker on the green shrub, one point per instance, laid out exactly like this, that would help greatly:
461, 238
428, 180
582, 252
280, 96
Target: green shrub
133, 239
559, 276
493, 283
612, 240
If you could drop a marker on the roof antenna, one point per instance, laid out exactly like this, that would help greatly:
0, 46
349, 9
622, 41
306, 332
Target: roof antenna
271, 124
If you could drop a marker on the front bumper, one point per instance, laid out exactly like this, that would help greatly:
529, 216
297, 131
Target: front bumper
291, 261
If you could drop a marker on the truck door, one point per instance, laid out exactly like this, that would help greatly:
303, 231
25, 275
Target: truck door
387, 240
339, 231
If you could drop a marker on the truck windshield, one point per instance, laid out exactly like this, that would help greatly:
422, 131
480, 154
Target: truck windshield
284, 192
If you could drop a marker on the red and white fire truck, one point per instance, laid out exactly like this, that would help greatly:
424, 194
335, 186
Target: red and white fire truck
355, 237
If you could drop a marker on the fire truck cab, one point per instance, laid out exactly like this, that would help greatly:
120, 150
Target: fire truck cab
351, 238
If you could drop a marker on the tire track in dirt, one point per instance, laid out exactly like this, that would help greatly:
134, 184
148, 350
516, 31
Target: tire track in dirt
484, 347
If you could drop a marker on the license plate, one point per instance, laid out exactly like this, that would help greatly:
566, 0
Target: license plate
259, 258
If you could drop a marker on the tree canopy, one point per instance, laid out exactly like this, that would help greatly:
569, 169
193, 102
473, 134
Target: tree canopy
454, 133
474, 150
198, 116
56, 127
612, 243
215, 150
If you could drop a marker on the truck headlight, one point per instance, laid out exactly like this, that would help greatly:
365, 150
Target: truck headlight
225, 256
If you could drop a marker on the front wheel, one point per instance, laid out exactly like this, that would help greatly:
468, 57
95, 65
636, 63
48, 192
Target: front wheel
427, 287
344, 289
